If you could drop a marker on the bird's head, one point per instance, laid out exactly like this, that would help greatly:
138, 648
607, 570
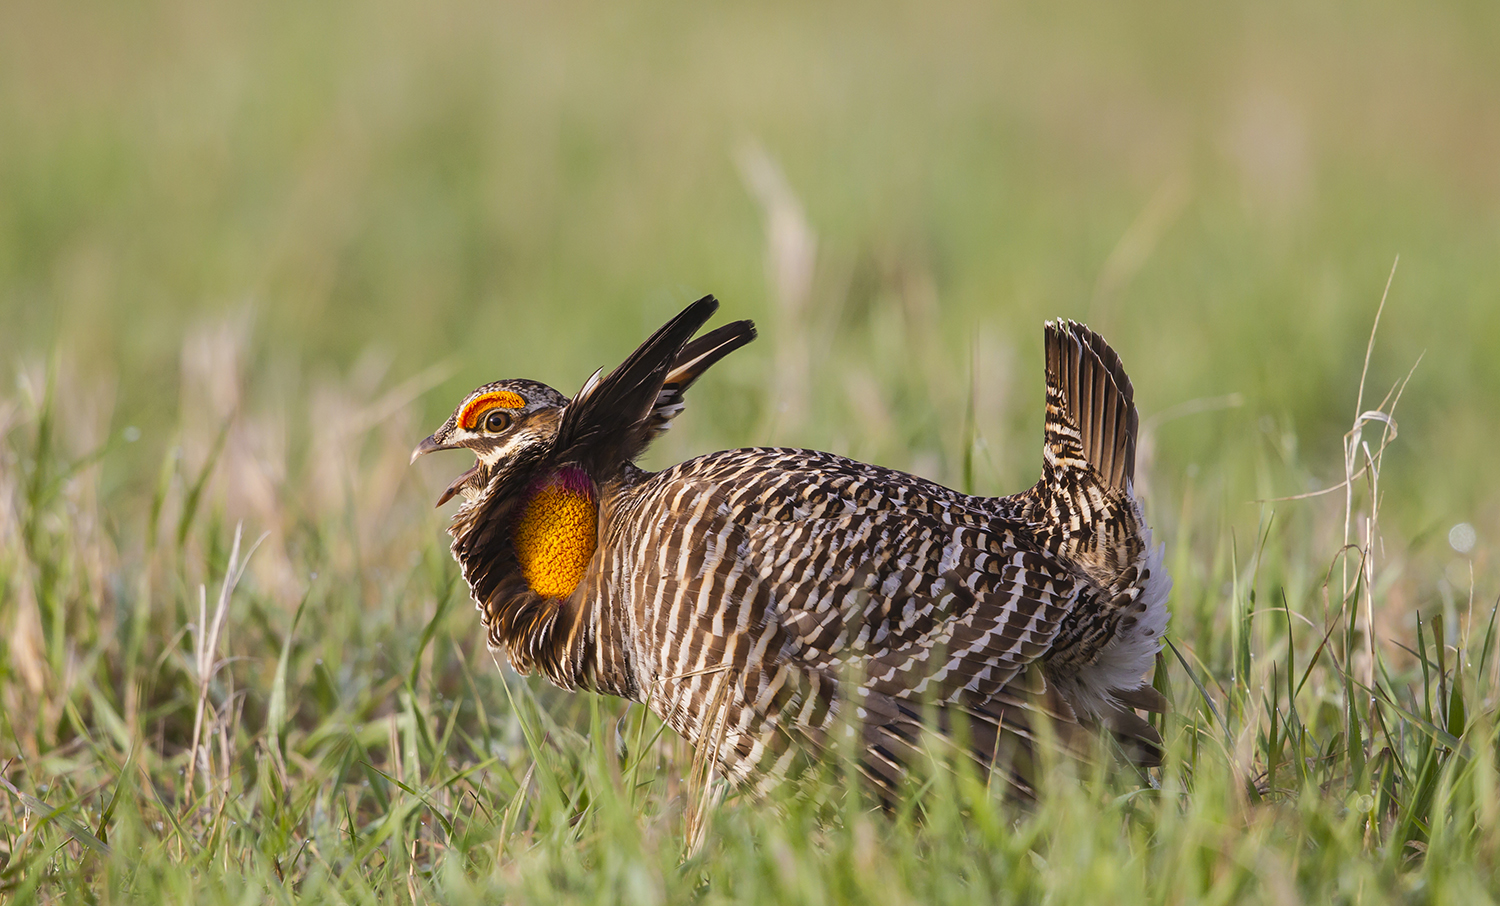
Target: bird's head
510, 425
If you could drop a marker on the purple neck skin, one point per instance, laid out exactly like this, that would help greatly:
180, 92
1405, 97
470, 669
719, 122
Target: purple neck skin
568, 478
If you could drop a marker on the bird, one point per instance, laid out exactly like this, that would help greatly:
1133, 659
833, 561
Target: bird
767, 602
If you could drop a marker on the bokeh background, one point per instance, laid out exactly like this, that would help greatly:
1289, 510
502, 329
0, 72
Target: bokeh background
283, 241
519, 189
251, 253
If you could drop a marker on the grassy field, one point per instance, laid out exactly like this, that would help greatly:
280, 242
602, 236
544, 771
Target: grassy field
251, 254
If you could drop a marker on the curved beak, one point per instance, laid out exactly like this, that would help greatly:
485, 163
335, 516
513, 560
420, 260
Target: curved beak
430, 445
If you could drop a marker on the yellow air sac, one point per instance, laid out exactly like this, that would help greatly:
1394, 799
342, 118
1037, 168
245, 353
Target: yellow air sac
556, 533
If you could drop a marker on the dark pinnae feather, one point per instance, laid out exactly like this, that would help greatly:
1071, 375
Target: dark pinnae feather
695, 358
607, 424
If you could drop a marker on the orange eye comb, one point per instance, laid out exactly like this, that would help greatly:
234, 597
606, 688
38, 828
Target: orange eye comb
507, 399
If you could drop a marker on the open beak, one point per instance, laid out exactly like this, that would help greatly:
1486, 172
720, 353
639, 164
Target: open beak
429, 445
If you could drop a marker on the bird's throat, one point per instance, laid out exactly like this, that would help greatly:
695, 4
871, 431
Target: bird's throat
556, 531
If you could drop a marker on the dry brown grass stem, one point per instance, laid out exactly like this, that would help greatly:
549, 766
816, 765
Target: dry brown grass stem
703, 772
206, 661
1357, 451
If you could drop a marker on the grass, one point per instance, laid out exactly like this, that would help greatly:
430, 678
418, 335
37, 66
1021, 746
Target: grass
243, 272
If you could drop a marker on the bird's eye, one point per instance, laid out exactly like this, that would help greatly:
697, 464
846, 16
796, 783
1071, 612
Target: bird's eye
496, 422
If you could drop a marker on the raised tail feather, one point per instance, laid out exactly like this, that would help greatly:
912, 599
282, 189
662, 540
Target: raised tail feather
1083, 506
1091, 416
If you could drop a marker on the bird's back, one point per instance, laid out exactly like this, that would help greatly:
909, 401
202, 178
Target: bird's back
773, 592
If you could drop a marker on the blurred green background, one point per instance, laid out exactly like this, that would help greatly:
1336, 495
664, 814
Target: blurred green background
251, 253
527, 189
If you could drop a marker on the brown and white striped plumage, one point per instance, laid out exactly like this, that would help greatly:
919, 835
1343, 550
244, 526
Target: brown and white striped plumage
760, 599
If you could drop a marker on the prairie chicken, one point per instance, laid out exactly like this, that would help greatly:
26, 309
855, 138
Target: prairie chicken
757, 600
